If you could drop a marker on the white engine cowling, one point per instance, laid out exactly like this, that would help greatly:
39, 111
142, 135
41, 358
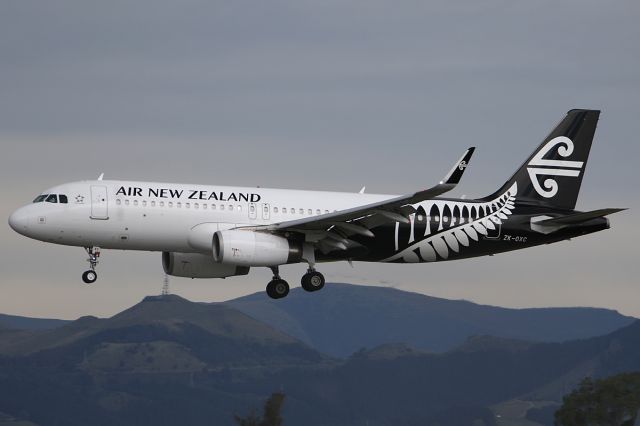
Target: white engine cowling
250, 248
194, 265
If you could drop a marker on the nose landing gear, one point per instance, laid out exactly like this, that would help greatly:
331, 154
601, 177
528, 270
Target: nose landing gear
91, 276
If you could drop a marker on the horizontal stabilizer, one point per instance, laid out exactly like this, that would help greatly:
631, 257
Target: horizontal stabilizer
578, 217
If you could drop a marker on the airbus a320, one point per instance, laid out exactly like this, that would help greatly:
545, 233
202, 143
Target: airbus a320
206, 231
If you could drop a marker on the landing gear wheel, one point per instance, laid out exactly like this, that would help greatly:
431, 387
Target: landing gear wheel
312, 281
89, 276
277, 288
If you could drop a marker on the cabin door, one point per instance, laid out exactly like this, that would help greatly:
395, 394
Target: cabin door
99, 203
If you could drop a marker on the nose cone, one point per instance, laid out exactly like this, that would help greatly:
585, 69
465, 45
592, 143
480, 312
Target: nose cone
18, 221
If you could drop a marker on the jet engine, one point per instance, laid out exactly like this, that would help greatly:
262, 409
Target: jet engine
250, 248
195, 265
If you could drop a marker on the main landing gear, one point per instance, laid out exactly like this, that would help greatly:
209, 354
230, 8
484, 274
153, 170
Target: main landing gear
279, 288
91, 276
312, 280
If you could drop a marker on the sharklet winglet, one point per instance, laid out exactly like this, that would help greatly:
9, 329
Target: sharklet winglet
456, 172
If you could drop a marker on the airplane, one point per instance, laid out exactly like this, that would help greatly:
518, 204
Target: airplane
206, 231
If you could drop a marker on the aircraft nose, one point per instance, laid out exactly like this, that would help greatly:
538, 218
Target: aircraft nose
18, 221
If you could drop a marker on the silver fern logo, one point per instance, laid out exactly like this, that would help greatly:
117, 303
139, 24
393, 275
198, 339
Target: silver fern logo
543, 167
450, 232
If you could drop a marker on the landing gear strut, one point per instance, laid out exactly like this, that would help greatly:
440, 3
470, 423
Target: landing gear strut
277, 287
91, 276
312, 280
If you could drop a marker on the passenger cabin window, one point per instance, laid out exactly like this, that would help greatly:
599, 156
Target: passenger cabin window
52, 198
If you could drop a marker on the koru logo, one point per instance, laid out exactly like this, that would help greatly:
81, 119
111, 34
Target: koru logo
549, 187
462, 165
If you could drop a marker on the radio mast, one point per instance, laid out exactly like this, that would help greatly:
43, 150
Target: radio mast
165, 286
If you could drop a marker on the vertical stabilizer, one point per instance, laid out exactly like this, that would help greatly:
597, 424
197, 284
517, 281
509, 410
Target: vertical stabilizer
553, 173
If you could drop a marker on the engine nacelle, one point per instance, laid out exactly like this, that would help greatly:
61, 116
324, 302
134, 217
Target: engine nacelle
250, 248
194, 265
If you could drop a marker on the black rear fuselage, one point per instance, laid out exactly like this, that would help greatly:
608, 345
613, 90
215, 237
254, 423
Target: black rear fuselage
524, 212
457, 229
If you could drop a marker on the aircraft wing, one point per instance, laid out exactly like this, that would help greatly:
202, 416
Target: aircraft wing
359, 220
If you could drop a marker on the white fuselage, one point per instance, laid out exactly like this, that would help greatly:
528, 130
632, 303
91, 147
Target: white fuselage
171, 217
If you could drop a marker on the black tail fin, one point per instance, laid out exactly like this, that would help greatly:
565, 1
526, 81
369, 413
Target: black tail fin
553, 173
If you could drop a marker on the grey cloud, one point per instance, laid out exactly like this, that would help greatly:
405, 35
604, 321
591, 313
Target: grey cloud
329, 95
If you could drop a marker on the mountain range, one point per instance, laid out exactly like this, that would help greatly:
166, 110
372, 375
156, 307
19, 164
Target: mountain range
344, 318
18, 322
169, 361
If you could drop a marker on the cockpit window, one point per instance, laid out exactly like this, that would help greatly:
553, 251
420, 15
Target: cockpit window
52, 198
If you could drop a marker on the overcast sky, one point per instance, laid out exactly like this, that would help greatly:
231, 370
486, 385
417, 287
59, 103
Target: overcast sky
317, 95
